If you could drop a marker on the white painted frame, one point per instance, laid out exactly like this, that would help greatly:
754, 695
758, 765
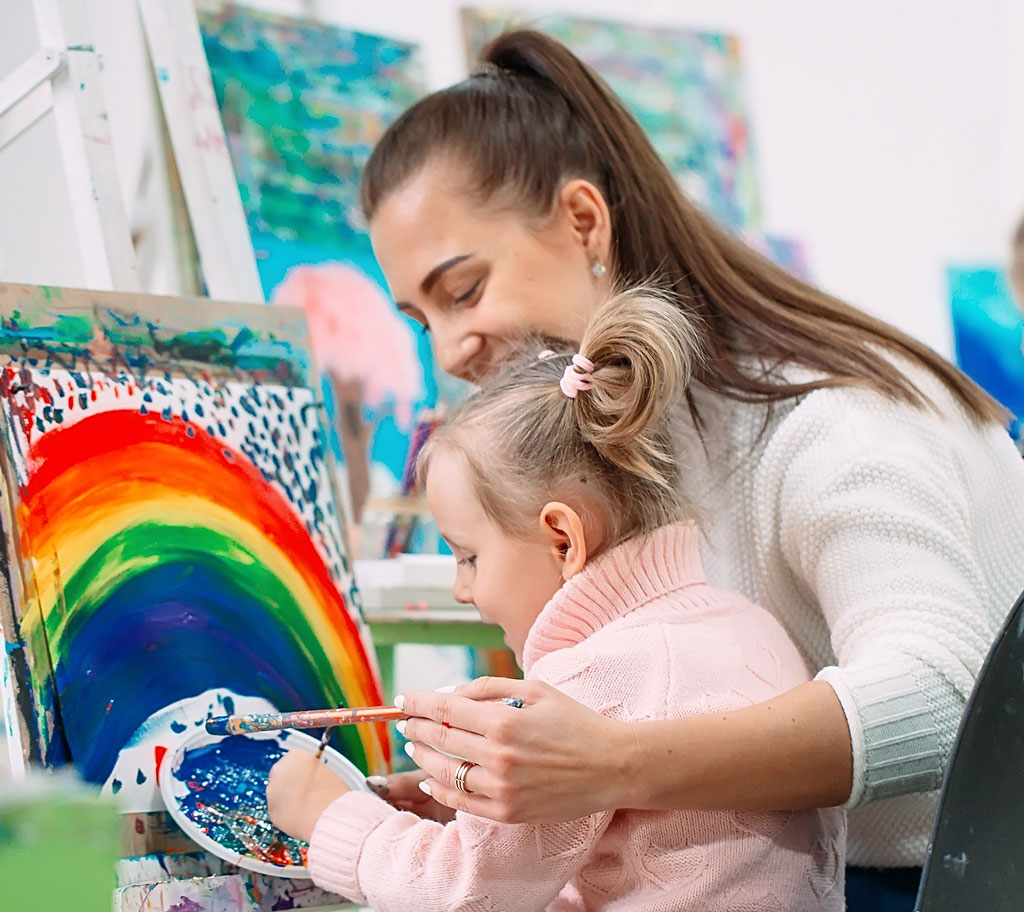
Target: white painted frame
200, 149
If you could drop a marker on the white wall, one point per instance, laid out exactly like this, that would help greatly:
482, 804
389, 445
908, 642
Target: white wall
888, 135
1011, 106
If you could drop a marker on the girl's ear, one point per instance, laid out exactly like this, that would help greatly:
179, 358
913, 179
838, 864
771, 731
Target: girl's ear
562, 529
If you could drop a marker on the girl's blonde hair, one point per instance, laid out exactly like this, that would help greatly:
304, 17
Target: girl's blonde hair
613, 449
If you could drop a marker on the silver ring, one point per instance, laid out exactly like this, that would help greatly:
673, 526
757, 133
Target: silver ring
460, 776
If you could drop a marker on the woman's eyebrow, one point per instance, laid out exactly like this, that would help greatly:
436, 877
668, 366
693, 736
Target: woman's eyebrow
439, 270
434, 275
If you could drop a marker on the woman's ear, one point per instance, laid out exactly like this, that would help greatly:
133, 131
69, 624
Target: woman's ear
563, 530
588, 216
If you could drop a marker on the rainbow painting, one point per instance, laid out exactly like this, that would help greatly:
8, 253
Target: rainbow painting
170, 523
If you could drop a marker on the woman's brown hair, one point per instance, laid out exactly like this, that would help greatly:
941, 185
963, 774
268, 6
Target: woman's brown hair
533, 116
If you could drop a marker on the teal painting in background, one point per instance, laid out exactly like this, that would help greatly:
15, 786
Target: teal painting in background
683, 86
303, 104
988, 330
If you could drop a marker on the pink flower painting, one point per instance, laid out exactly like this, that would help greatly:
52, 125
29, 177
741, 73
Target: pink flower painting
366, 348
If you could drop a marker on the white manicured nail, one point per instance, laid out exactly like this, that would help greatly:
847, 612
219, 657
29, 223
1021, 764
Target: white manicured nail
410, 749
400, 701
424, 787
447, 689
401, 727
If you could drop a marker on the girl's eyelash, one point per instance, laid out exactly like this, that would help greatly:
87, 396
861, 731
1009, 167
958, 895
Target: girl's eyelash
468, 561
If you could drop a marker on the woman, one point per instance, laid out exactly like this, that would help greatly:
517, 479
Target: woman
855, 484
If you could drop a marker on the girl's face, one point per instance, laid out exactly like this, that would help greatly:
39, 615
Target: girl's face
509, 580
479, 279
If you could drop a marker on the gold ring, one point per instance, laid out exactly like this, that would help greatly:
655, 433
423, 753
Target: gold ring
460, 776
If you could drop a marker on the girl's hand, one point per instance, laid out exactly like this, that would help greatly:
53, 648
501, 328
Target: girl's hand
551, 761
402, 791
299, 789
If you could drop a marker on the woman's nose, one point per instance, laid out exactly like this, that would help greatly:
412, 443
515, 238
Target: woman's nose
457, 353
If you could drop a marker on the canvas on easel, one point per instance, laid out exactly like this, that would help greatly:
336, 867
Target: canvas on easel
172, 539
303, 102
685, 88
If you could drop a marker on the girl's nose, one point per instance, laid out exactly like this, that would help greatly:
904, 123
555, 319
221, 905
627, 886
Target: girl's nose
462, 594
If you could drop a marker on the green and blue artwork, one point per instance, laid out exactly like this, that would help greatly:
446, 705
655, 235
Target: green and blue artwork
303, 104
988, 329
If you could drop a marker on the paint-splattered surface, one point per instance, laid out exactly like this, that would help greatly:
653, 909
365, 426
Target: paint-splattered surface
227, 798
176, 530
203, 883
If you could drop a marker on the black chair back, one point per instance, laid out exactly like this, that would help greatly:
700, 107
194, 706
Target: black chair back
975, 860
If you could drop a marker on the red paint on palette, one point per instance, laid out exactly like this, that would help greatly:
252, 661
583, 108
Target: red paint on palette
158, 753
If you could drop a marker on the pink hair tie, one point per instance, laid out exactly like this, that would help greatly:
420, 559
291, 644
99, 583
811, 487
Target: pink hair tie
575, 377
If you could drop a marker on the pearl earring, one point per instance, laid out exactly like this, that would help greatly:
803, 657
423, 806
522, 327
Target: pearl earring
598, 269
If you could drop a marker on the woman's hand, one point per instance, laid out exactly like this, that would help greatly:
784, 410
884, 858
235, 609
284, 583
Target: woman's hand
550, 761
555, 760
402, 791
299, 789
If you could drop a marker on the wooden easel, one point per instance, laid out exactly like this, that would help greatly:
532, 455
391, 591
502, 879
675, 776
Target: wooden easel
62, 80
200, 150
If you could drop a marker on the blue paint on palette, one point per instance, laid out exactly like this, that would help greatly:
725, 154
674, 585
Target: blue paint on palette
227, 798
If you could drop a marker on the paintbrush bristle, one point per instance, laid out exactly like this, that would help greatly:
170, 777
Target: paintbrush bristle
217, 725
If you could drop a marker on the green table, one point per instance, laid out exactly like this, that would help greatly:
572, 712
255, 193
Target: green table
433, 627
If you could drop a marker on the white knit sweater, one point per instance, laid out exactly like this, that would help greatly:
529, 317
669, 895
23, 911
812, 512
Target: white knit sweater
889, 542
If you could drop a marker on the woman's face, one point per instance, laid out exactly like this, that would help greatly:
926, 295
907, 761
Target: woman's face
481, 278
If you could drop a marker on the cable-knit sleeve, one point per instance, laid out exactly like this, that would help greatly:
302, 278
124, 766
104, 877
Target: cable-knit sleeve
370, 852
366, 850
875, 520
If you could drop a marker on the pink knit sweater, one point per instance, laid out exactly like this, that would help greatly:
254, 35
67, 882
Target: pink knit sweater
638, 635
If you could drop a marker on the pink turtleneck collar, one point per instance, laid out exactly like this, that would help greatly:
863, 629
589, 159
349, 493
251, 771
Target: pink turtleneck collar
614, 584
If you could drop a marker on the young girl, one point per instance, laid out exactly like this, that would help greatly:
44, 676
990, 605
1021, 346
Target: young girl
557, 488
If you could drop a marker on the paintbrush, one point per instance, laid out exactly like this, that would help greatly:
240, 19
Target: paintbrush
315, 718
323, 742
310, 718
324, 738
